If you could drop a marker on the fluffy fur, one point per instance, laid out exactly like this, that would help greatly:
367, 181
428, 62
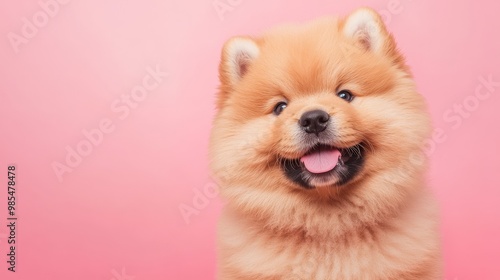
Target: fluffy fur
380, 224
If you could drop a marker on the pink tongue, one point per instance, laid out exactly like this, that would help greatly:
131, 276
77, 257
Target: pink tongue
321, 161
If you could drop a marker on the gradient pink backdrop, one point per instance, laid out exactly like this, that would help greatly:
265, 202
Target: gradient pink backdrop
117, 213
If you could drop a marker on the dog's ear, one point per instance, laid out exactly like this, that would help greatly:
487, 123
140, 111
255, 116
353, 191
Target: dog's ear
368, 30
237, 56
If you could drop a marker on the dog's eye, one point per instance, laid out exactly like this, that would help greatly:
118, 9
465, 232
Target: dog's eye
346, 95
279, 108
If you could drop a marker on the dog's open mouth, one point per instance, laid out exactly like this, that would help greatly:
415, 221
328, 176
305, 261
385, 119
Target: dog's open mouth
325, 165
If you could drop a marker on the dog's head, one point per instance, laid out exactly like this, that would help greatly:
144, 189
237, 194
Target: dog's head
324, 106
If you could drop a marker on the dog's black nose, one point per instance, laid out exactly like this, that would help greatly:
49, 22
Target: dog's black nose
314, 121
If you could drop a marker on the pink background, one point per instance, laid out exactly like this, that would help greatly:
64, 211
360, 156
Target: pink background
116, 215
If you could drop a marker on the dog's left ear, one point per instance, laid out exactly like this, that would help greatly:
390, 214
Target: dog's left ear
368, 30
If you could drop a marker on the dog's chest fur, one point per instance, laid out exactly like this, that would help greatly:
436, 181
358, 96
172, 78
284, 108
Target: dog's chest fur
392, 250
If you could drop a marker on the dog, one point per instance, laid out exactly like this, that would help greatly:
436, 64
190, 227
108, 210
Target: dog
317, 150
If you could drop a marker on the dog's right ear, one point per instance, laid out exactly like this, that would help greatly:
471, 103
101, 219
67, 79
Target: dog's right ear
237, 56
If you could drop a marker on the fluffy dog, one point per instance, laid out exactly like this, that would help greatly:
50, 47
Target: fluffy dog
317, 148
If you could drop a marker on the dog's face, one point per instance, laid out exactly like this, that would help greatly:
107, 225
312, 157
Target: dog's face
323, 106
